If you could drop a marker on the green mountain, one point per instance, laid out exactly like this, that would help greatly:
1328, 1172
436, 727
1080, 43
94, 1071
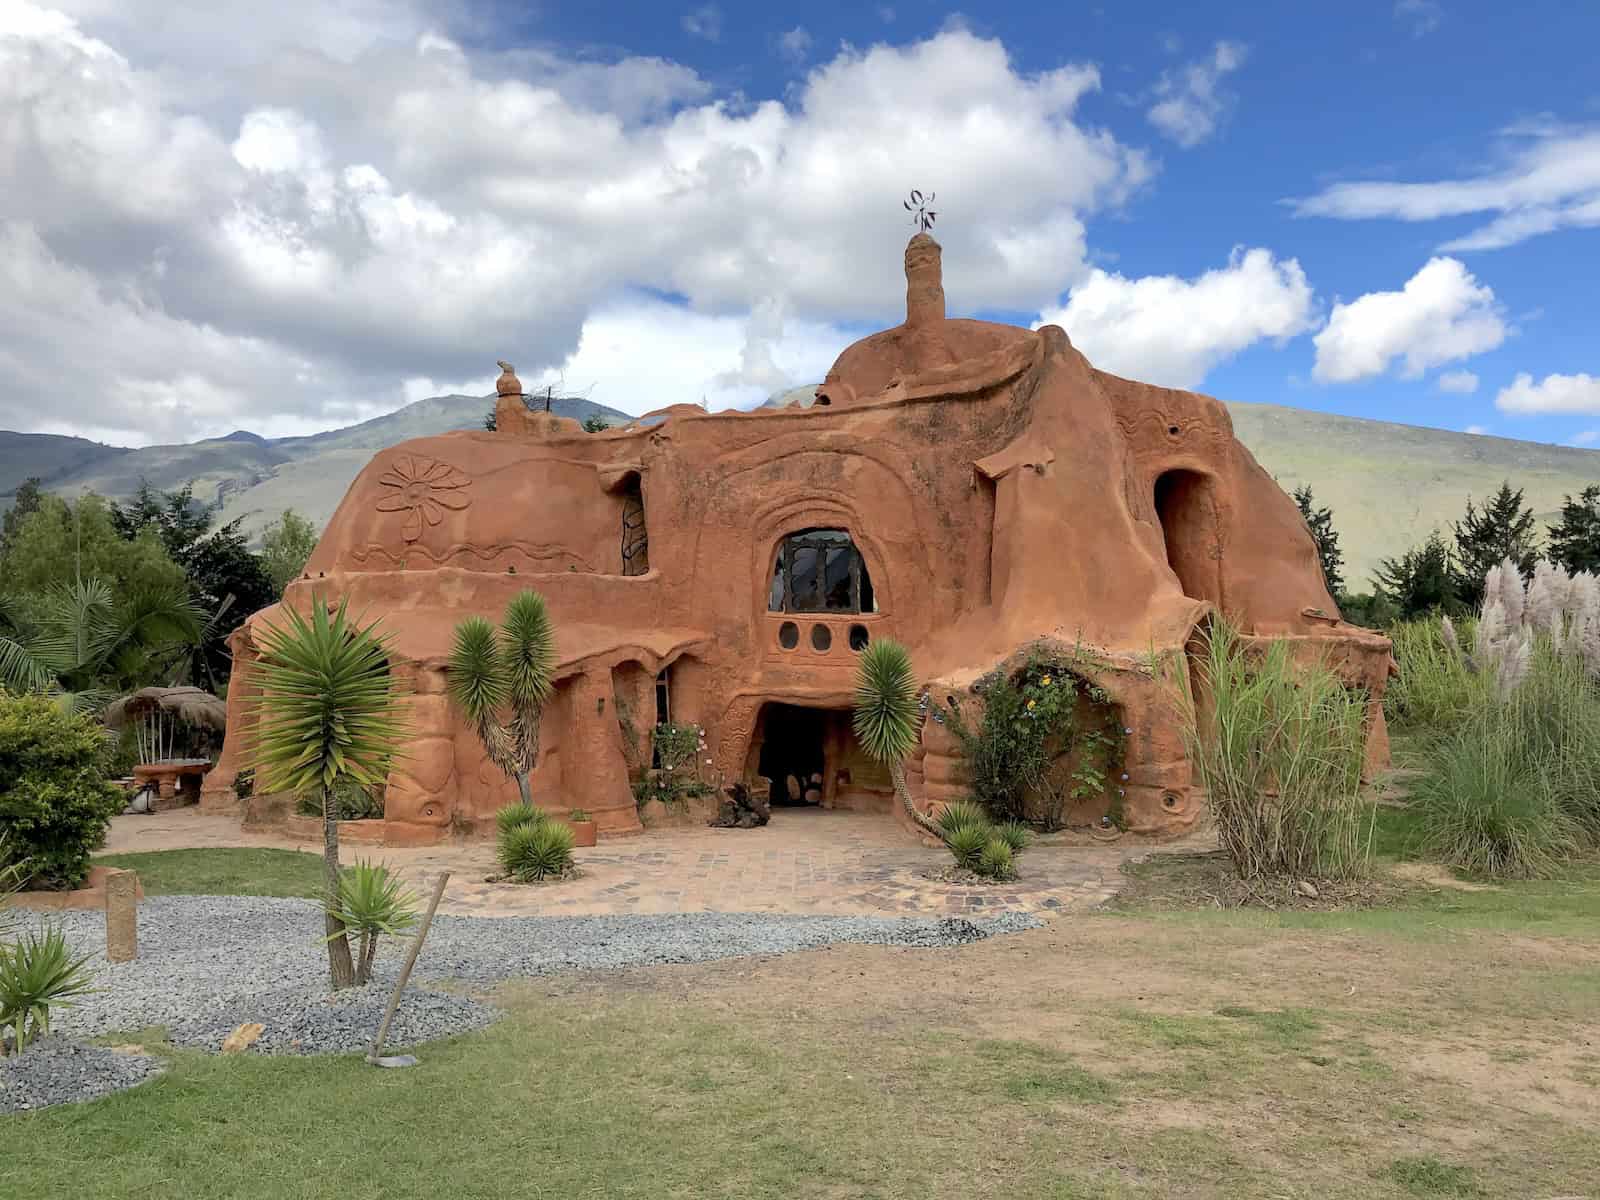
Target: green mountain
1388, 484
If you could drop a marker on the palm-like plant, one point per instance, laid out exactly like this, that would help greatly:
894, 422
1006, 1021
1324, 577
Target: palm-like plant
82, 636
373, 904
37, 974
328, 713
501, 678
886, 718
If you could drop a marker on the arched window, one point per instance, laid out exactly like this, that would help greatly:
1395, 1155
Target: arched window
820, 570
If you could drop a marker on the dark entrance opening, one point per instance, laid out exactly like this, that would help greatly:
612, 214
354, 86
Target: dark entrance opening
794, 753
1187, 509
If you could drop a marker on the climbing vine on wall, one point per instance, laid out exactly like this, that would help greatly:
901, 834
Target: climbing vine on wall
1048, 737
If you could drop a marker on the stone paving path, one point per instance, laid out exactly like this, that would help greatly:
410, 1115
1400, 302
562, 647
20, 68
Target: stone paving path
805, 861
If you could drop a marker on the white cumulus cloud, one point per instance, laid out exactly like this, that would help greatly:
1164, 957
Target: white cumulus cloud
1191, 102
1172, 331
1441, 315
357, 198
794, 44
1553, 394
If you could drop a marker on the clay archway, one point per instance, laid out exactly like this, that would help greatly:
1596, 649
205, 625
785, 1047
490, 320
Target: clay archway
1186, 506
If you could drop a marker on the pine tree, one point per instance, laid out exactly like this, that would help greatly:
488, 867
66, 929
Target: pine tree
1504, 528
1320, 522
1422, 580
1575, 541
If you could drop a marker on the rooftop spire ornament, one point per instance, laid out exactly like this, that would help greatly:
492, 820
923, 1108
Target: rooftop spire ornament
921, 215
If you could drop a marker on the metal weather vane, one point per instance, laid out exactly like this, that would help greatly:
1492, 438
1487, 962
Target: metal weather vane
922, 216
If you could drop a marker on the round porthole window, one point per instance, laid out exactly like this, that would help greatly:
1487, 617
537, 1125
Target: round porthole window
788, 635
821, 638
859, 638
1172, 802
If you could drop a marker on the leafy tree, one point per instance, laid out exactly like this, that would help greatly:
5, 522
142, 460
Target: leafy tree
60, 543
595, 423
489, 421
82, 640
1575, 539
885, 718
1504, 528
24, 503
1422, 580
328, 715
512, 668
286, 544
1320, 522
228, 581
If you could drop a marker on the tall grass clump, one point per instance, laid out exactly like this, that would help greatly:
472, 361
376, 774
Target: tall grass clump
1513, 788
1279, 746
1436, 690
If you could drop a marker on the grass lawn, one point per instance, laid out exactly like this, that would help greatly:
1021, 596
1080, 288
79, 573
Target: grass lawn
222, 872
1445, 1047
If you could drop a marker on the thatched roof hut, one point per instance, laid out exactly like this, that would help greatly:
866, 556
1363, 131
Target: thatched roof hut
193, 707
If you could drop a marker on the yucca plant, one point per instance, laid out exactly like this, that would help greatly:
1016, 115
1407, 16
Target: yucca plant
995, 860
960, 813
536, 851
513, 815
328, 714
966, 843
373, 904
1014, 834
886, 719
501, 678
38, 973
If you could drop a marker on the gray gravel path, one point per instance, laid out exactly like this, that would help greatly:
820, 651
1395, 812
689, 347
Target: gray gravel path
210, 963
55, 1071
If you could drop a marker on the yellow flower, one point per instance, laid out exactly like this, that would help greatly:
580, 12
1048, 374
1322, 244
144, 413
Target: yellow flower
1046, 679
1030, 703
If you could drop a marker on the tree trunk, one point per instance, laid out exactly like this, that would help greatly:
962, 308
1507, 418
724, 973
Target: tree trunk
341, 971
524, 788
897, 772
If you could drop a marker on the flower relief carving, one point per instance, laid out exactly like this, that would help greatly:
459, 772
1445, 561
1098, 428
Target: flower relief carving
422, 488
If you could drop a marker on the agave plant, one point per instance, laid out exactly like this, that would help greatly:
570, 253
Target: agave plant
37, 974
501, 678
886, 717
372, 903
536, 850
328, 714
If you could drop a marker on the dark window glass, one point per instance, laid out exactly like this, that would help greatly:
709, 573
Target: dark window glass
788, 635
820, 570
821, 638
858, 638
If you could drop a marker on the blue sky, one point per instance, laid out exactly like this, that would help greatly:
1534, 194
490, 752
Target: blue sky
703, 200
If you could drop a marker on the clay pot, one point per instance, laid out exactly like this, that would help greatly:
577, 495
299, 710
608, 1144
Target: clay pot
584, 833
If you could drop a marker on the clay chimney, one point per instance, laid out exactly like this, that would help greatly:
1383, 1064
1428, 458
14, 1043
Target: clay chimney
924, 281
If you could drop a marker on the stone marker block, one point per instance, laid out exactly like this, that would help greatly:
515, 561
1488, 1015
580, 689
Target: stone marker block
122, 916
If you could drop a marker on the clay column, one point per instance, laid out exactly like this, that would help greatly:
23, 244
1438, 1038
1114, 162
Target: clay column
924, 281
122, 916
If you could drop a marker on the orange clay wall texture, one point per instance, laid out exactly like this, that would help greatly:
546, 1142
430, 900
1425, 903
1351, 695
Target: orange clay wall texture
1001, 491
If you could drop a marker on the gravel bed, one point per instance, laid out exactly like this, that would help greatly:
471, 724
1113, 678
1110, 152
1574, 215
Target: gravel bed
56, 1071
210, 963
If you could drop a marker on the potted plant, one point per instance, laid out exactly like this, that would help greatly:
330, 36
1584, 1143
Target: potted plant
585, 832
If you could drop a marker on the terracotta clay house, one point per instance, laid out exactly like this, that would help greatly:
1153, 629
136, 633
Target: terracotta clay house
970, 489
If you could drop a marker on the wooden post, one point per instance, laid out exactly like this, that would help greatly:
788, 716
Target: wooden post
122, 916
405, 971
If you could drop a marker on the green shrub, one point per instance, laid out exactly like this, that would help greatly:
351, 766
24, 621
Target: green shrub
352, 801
1014, 834
966, 843
1279, 746
537, 851
373, 904
38, 973
1033, 719
579, 814
995, 861
961, 813
55, 802
513, 815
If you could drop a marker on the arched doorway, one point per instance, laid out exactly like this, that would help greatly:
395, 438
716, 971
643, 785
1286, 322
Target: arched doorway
1186, 506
